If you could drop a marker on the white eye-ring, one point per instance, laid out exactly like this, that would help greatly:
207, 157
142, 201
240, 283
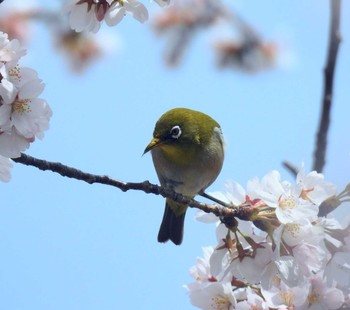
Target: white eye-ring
175, 132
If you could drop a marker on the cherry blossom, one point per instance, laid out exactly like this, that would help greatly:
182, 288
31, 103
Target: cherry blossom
285, 198
10, 50
5, 168
201, 271
215, 295
322, 296
21, 108
253, 301
301, 261
23, 116
119, 9
87, 15
282, 296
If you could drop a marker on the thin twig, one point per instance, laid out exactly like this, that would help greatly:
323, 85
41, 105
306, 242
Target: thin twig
243, 213
333, 45
290, 167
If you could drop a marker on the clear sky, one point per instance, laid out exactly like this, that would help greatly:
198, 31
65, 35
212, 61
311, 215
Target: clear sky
68, 245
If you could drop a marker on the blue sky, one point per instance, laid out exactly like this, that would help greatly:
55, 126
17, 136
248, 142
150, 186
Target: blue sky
68, 245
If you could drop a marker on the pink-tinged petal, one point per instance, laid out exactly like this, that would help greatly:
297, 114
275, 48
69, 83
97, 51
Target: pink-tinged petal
8, 91
31, 117
11, 51
12, 144
94, 25
24, 125
334, 298
100, 10
26, 74
162, 3
115, 14
5, 169
81, 19
43, 113
31, 89
5, 116
138, 11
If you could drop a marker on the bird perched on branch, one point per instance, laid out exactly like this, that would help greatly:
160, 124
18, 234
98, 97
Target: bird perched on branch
188, 153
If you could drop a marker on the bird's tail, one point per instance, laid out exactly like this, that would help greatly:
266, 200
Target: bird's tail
172, 227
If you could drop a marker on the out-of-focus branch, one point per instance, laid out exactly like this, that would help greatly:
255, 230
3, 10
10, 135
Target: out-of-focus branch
333, 45
290, 167
240, 212
80, 49
244, 50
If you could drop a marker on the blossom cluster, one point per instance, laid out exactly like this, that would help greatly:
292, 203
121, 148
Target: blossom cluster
23, 116
291, 254
87, 15
237, 45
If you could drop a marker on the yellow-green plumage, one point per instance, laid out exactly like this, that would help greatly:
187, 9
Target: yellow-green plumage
187, 152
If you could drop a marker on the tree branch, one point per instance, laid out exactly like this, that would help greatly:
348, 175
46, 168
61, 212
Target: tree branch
241, 212
333, 45
290, 167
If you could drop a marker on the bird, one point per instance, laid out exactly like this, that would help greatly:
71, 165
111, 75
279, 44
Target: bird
188, 153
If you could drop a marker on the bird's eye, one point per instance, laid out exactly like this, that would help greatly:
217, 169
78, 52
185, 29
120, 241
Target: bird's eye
175, 132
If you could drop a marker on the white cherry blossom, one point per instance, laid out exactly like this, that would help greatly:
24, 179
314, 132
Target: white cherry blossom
302, 263
215, 295
23, 116
12, 143
5, 168
285, 198
313, 187
10, 50
285, 297
88, 15
22, 109
322, 296
120, 8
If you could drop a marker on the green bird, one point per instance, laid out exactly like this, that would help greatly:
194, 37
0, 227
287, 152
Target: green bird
188, 152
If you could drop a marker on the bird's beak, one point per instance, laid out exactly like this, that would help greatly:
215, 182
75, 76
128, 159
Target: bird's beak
154, 143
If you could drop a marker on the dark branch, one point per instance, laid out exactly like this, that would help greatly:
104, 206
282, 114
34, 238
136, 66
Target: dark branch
333, 45
240, 212
291, 168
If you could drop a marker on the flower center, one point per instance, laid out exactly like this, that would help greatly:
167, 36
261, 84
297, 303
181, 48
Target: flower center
21, 106
288, 298
293, 229
313, 297
287, 202
220, 303
15, 73
304, 194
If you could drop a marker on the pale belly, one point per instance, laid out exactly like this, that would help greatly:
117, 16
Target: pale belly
191, 177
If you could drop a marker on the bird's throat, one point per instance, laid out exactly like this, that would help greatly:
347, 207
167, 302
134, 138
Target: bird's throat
178, 155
